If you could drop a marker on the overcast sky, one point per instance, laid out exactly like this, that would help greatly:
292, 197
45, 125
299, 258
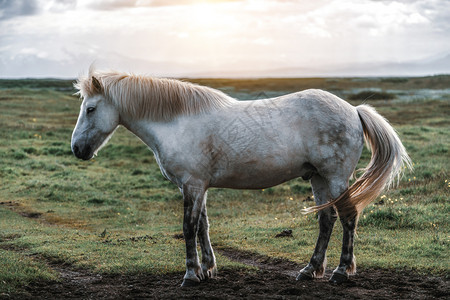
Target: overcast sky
61, 38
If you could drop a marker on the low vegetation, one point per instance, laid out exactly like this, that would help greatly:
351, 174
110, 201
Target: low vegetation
117, 214
371, 95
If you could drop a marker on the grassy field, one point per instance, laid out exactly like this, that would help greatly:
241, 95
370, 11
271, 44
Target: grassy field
117, 214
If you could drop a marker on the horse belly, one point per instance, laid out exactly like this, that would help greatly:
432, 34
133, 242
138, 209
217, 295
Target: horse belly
255, 174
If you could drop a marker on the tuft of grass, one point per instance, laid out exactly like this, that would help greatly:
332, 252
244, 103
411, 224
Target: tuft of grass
395, 218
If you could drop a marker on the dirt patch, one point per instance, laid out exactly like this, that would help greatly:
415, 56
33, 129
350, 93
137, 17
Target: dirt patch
285, 233
274, 279
9, 203
47, 218
262, 262
178, 236
31, 215
132, 239
231, 284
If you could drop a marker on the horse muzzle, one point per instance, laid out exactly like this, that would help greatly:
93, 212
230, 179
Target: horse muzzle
84, 153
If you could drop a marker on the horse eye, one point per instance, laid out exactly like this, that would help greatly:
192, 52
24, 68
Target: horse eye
90, 109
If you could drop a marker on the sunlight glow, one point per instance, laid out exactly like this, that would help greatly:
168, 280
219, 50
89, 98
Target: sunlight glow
287, 37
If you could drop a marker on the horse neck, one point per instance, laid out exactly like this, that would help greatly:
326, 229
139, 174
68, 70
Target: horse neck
143, 129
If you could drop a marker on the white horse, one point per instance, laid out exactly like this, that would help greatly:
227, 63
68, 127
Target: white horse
202, 138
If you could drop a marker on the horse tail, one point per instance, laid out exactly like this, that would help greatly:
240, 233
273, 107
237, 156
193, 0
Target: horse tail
388, 160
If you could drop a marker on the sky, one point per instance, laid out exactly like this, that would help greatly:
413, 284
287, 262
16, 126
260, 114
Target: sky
220, 38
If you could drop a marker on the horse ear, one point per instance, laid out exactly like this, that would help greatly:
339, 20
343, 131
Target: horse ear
97, 85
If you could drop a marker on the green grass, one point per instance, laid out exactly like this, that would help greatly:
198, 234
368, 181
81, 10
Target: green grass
122, 191
19, 269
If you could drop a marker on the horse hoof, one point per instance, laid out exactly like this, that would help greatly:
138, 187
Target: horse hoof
189, 283
208, 274
304, 277
338, 278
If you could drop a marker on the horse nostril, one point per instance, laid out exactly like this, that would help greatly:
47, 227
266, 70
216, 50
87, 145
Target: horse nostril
76, 150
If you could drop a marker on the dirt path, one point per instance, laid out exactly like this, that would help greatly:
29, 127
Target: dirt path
275, 279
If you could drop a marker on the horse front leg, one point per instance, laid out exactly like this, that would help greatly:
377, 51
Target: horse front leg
193, 203
208, 259
347, 264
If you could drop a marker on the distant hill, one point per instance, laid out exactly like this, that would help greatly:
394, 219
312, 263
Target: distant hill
33, 66
424, 67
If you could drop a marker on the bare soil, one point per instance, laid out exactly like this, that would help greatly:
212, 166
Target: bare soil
272, 279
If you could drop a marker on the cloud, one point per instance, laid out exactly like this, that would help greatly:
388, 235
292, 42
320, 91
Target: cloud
13, 8
18, 8
119, 4
58, 5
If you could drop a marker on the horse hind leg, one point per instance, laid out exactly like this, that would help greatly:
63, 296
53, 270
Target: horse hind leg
347, 264
327, 218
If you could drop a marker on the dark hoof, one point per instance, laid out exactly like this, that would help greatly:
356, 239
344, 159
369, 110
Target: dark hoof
304, 277
189, 283
338, 278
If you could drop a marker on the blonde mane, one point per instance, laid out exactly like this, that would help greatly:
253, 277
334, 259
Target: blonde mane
156, 99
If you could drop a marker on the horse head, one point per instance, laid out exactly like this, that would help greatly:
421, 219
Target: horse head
96, 123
